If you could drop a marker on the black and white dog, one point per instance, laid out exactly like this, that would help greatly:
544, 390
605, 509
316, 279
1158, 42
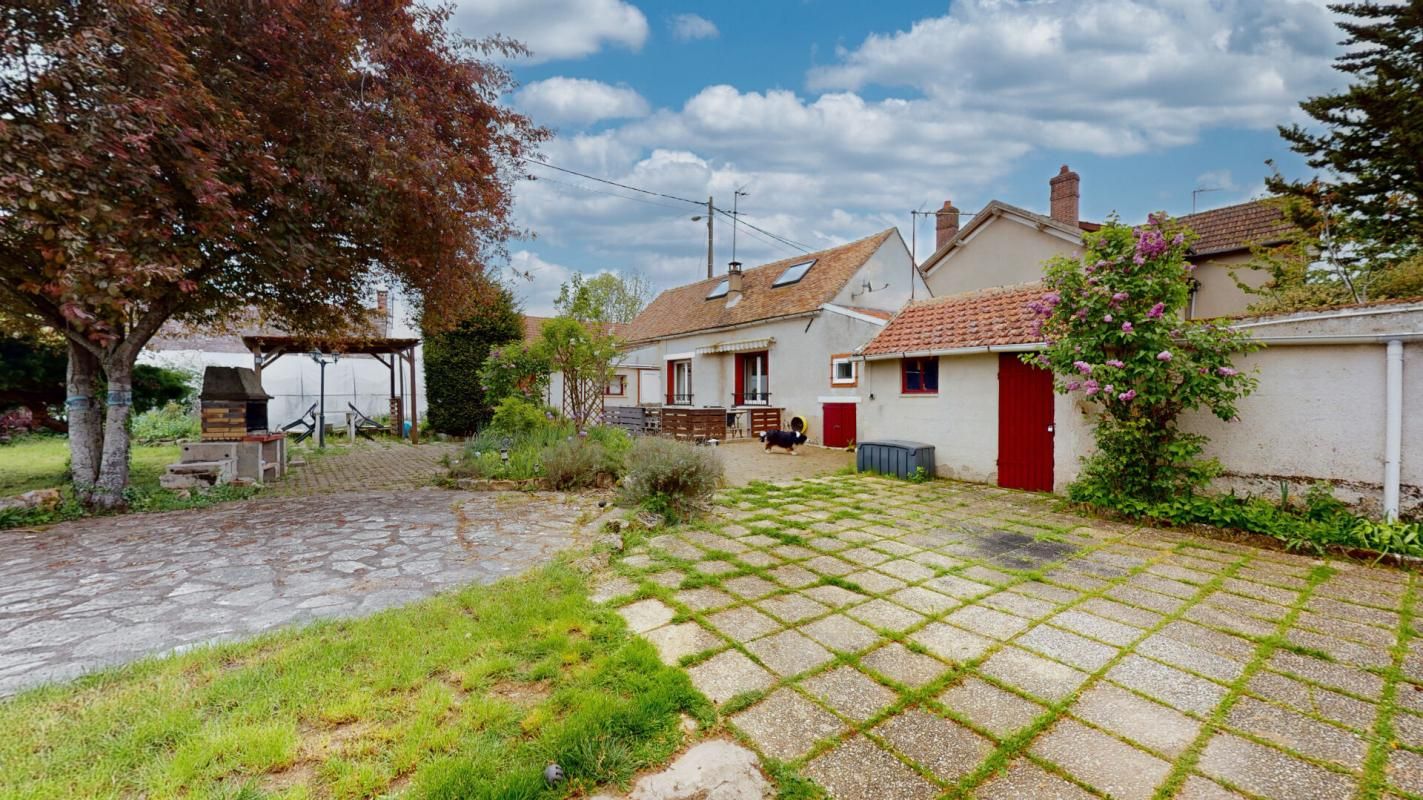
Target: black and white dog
786, 440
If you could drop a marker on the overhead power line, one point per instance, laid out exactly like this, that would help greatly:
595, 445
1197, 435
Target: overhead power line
700, 203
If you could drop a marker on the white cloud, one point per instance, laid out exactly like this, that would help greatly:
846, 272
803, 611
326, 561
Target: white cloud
555, 29
579, 101
960, 101
1106, 76
687, 27
535, 282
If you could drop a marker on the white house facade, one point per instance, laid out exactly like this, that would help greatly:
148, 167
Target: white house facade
780, 336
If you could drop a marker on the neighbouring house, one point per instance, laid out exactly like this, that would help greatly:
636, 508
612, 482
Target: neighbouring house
623, 389
779, 336
294, 380
1005, 245
947, 371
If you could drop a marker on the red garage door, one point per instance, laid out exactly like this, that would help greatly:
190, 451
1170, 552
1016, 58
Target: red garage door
839, 424
1025, 425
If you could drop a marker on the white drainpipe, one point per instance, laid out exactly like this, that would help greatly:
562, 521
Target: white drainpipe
1393, 429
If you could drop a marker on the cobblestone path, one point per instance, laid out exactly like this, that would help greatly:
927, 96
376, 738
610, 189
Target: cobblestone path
108, 590
366, 465
896, 641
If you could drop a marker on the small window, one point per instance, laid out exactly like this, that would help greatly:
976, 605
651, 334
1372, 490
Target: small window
842, 371
793, 273
719, 290
617, 386
919, 375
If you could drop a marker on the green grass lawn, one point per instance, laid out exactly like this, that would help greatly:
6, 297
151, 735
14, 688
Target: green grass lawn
42, 462
467, 695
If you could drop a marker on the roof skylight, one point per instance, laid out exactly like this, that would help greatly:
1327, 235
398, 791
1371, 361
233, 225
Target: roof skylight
794, 273
719, 290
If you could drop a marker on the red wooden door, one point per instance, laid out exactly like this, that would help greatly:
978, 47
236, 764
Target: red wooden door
839, 424
1025, 425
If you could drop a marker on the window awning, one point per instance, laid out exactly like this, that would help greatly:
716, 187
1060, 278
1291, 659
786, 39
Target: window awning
742, 346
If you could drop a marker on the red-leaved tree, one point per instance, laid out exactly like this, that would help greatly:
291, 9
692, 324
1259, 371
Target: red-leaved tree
162, 159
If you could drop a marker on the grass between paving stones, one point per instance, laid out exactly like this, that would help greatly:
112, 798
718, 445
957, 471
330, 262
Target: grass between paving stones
764, 510
1376, 764
467, 695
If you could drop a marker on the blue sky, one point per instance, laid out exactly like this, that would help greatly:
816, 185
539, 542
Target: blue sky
844, 116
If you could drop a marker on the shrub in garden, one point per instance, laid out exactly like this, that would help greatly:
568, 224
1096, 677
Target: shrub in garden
1115, 333
454, 358
670, 477
516, 369
576, 463
518, 417
166, 424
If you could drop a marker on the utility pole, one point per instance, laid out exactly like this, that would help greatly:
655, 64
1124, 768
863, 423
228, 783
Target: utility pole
711, 214
735, 197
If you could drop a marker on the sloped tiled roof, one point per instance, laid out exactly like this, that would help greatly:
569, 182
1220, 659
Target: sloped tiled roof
686, 309
1237, 227
997, 316
533, 327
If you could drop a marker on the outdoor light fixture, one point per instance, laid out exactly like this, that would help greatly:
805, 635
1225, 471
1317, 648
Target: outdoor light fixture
323, 359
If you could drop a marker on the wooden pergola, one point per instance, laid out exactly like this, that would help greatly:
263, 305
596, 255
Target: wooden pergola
392, 353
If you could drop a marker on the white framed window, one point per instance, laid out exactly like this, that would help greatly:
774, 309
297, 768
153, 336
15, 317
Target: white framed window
617, 386
680, 385
843, 371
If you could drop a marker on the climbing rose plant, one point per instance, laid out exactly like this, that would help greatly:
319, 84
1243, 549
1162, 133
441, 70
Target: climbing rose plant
1113, 323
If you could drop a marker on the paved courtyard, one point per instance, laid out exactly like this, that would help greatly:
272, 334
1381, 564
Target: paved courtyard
747, 460
108, 590
366, 465
893, 640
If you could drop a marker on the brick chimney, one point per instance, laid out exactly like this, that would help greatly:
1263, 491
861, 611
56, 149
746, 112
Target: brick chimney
946, 224
1065, 191
382, 301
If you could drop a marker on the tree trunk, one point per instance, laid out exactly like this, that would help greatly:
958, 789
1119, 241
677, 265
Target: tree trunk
86, 435
113, 469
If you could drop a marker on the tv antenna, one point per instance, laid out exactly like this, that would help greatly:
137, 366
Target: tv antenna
1200, 191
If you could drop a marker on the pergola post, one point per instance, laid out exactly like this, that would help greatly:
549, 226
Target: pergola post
414, 403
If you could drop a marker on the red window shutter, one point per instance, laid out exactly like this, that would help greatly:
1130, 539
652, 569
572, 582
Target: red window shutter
740, 379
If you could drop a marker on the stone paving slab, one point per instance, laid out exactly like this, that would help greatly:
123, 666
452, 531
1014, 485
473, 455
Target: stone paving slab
965, 641
104, 591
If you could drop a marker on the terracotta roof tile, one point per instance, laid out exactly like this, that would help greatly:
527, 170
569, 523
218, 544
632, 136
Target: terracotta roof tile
1237, 227
686, 309
998, 316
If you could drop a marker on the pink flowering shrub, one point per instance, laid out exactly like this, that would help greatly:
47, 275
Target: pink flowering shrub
517, 369
1116, 315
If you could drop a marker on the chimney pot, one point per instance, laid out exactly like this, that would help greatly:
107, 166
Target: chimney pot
733, 278
946, 224
1064, 192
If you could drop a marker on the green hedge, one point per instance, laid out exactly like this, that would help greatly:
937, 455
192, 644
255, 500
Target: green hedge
453, 360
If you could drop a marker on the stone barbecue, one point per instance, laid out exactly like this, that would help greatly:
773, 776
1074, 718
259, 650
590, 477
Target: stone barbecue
234, 406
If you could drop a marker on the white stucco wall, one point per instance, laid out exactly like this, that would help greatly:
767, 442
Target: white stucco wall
961, 421
890, 274
1318, 415
799, 363
1002, 252
1218, 294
